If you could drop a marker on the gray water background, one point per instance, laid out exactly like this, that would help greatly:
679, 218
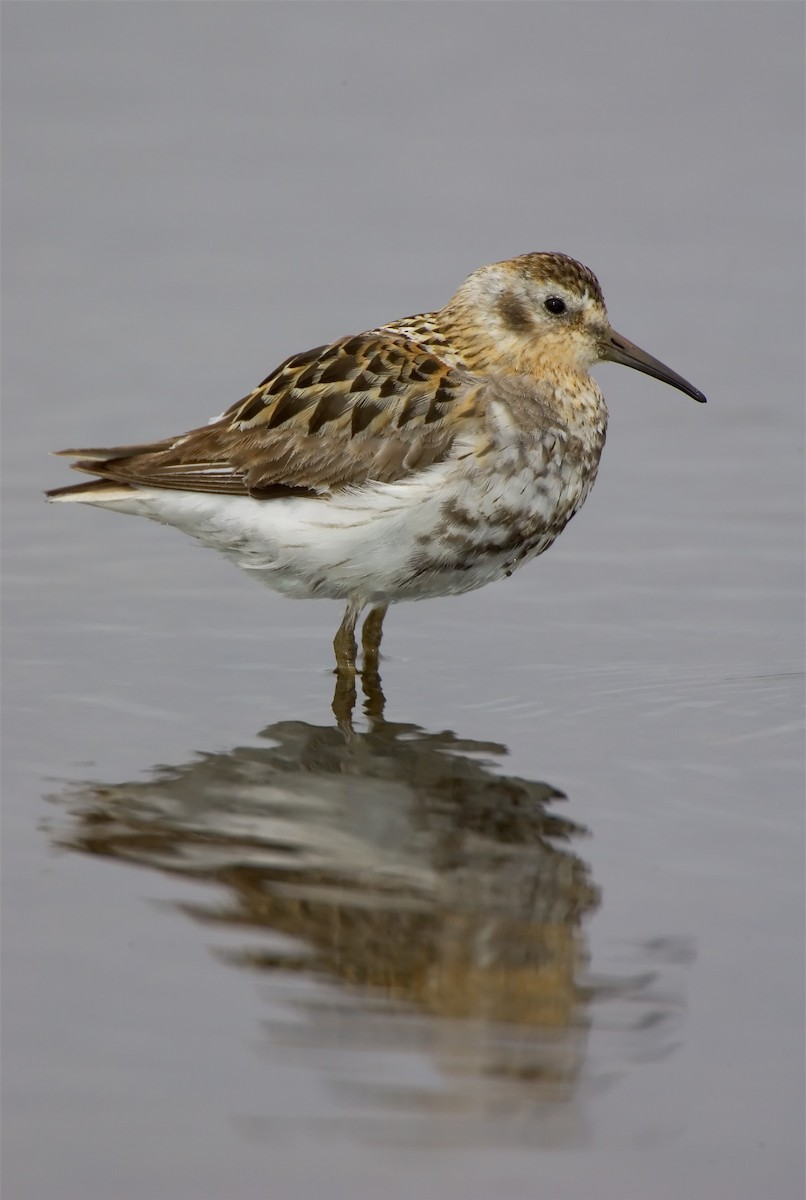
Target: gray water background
191, 192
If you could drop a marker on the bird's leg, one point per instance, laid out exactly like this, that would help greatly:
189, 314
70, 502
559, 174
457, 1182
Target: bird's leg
345, 648
371, 636
344, 643
370, 678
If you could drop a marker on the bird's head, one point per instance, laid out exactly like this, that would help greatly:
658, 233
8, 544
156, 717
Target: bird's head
544, 310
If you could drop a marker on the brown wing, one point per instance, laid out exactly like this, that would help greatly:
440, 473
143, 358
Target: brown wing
371, 407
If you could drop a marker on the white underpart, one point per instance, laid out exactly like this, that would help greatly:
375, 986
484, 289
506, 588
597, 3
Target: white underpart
434, 534
366, 543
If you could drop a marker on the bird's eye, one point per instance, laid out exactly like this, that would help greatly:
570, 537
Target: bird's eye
554, 305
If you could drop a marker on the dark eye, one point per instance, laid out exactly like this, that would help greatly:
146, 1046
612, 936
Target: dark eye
554, 305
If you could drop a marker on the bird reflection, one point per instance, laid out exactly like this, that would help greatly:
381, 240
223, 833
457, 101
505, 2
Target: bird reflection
399, 863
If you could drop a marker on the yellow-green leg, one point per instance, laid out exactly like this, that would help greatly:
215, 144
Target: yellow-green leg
371, 636
370, 678
344, 643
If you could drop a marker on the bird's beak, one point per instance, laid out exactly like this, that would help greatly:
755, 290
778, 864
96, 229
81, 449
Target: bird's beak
615, 348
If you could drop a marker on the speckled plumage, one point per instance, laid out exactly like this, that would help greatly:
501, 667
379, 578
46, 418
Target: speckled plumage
426, 457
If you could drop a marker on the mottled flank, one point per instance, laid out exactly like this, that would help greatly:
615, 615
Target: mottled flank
425, 457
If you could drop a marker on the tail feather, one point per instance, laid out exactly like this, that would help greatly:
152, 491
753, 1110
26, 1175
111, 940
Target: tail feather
95, 491
92, 461
103, 453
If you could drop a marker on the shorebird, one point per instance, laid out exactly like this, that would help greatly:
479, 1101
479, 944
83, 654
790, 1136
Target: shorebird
425, 457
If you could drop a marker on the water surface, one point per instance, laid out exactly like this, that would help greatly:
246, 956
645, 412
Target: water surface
536, 929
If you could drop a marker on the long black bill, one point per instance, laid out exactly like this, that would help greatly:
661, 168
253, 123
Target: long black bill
615, 348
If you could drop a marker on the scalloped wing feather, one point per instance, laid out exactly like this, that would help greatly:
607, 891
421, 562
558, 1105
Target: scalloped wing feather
371, 407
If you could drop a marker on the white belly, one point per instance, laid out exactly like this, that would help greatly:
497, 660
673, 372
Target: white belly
377, 543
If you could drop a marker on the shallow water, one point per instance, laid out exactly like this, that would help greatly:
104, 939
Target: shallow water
537, 929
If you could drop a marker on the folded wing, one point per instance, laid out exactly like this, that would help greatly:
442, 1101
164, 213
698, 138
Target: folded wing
371, 407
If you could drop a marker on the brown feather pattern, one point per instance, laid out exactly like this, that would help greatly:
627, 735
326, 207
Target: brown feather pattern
375, 406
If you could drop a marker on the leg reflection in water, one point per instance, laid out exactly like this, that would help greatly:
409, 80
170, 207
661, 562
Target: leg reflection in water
344, 697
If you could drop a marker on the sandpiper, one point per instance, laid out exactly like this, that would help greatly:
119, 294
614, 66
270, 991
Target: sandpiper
426, 457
